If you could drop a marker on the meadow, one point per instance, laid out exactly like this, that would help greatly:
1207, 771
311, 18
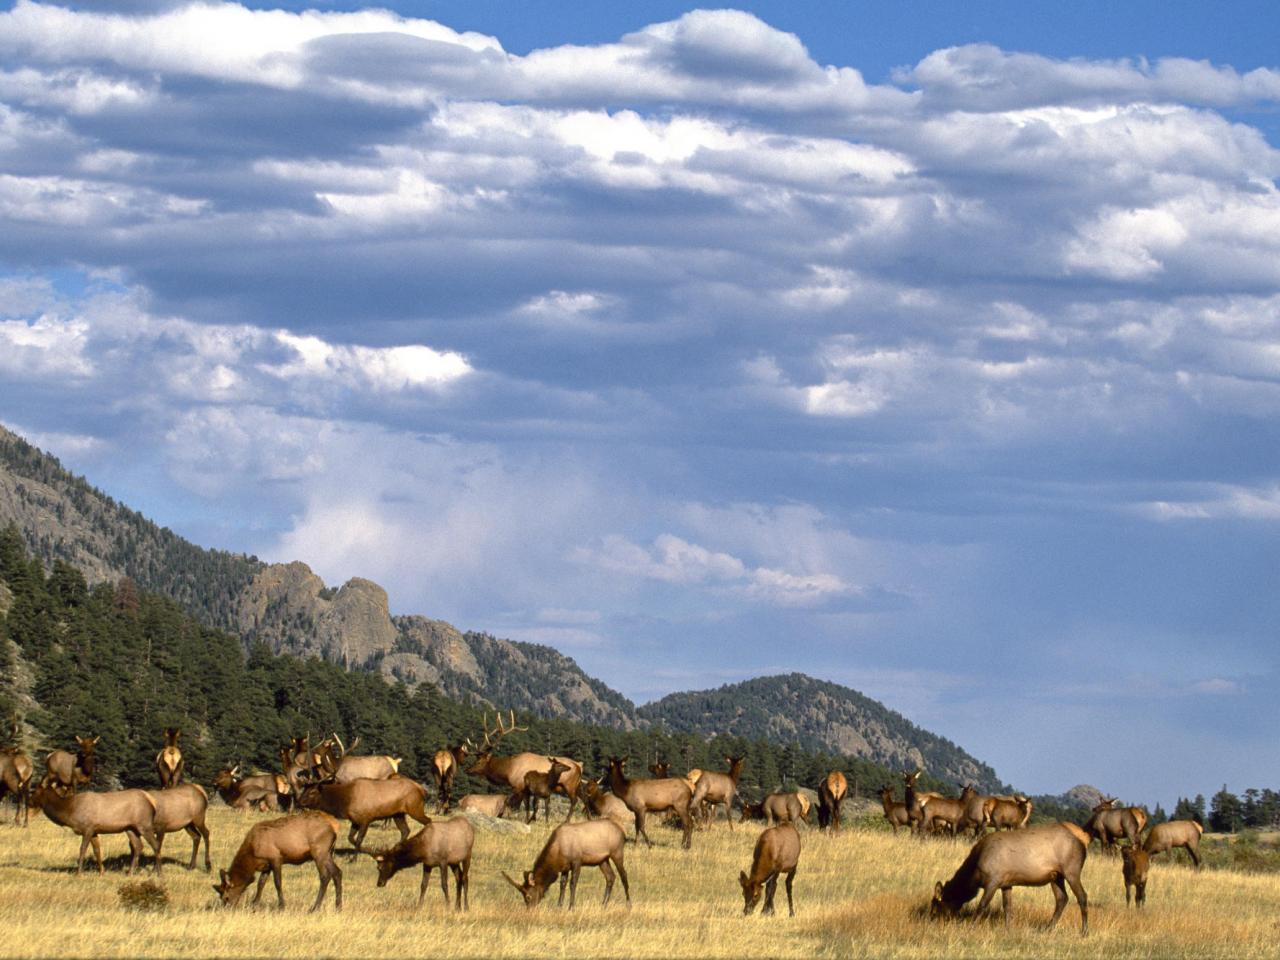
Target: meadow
863, 891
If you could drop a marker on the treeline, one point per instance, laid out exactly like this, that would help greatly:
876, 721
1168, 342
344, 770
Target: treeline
123, 663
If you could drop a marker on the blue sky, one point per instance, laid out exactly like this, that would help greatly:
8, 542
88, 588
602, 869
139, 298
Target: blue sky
933, 349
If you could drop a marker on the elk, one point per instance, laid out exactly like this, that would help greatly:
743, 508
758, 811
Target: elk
16, 769
509, 772
572, 846
946, 811
831, 794
131, 812
1009, 813
363, 801
643, 796
777, 808
294, 839
1136, 863
245, 792
977, 811
718, 788
182, 808
344, 767
540, 786
601, 805
1175, 833
659, 769
1109, 824
445, 765
66, 769
1028, 858
894, 812
441, 843
777, 852
169, 760
490, 804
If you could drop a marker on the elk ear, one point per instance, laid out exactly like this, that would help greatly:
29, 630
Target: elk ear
937, 891
744, 879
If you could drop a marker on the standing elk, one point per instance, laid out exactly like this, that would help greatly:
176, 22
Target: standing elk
182, 808
776, 808
645, 796
441, 843
831, 793
295, 839
445, 765
540, 786
510, 771
1009, 813
1108, 824
777, 852
1027, 858
242, 793
490, 804
1176, 833
361, 802
602, 805
66, 769
16, 770
659, 769
572, 846
718, 788
895, 813
131, 812
1136, 863
169, 760
945, 812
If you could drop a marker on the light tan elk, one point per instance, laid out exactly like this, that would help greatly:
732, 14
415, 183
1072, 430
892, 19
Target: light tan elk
182, 808
831, 793
169, 759
540, 786
66, 769
652, 796
16, 769
572, 846
777, 808
977, 811
90, 815
1009, 813
445, 765
602, 805
441, 843
509, 771
777, 852
490, 804
1108, 824
938, 813
295, 839
344, 767
1176, 833
245, 792
1136, 863
363, 802
1025, 858
715, 789
894, 812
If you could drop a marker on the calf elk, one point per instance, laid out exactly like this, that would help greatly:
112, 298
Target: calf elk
182, 808
441, 843
267, 846
777, 852
1136, 863
131, 812
539, 785
169, 759
572, 846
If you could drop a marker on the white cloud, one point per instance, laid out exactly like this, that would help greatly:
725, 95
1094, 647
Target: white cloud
382, 369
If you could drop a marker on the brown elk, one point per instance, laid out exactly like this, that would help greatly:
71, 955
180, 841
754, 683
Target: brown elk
660, 769
1027, 858
894, 812
342, 766
182, 808
295, 839
831, 793
169, 760
490, 804
645, 796
777, 852
540, 786
945, 812
601, 805
509, 772
715, 788
16, 769
1136, 863
1009, 813
245, 792
572, 846
90, 815
445, 765
1108, 824
777, 808
1175, 833
66, 769
442, 843
364, 801
977, 811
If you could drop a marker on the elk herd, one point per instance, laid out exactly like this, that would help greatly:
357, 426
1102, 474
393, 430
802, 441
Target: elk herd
326, 785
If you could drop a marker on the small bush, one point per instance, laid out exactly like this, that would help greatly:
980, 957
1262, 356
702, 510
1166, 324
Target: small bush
146, 896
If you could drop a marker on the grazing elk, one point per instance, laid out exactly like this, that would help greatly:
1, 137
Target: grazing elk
490, 804
777, 808
66, 769
1175, 833
539, 786
294, 839
16, 770
441, 843
1108, 824
601, 805
1136, 863
894, 812
714, 789
182, 808
445, 765
1009, 813
831, 793
645, 796
245, 792
1027, 858
361, 802
169, 760
777, 852
509, 772
572, 846
131, 812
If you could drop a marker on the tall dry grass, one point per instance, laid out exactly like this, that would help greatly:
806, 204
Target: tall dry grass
858, 893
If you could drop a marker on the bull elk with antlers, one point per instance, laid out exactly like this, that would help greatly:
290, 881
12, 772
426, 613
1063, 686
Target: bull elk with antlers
169, 760
344, 766
510, 771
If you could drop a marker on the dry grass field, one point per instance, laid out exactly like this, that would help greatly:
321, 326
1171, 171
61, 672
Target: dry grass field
858, 893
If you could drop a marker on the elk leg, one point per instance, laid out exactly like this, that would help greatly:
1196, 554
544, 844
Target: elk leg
277, 876
1060, 901
262, 882
84, 845
770, 888
573, 802
324, 885
608, 881
1006, 894
402, 824
622, 872
466, 883
1082, 900
426, 880
640, 831
573, 884
686, 821
456, 869
194, 834
1195, 857
988, 894
444, 883
791, 910
564, 878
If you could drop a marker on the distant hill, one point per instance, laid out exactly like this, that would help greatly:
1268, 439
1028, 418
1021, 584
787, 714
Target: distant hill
819, 715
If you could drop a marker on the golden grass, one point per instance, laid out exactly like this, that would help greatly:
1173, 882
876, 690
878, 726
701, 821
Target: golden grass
858, 893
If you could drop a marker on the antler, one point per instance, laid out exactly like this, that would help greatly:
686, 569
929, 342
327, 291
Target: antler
501, 729
341, 747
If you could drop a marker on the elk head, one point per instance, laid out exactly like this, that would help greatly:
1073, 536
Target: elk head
660, 769
939, 907
86, 758
750, 893
386, 865
229, 893
531, 890
171, 735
